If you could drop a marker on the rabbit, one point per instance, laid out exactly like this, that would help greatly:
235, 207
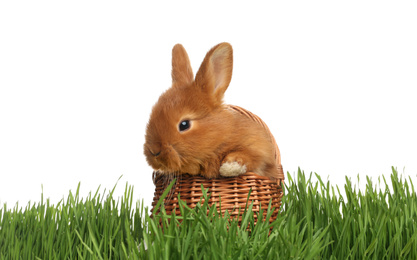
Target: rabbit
192, 131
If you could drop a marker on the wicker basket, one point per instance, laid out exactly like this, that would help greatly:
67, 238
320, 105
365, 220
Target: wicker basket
232, 190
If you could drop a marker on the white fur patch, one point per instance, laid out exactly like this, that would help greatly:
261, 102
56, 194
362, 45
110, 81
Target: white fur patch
231, 169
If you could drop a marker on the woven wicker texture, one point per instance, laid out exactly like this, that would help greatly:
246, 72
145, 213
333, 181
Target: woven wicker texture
233, 191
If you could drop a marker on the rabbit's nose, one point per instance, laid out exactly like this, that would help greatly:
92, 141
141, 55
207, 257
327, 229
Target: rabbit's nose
155, 149
155, 154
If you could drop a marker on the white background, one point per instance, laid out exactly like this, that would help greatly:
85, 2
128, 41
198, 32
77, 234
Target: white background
335, 81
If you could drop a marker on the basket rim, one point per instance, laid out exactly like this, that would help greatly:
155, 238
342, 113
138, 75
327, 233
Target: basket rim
156, 176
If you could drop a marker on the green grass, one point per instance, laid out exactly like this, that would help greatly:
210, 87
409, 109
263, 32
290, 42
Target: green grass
315, 222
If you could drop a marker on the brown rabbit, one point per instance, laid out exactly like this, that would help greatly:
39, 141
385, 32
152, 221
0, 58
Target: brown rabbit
191, 131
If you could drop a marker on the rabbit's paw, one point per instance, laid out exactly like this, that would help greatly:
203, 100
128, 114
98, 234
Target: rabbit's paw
231, 169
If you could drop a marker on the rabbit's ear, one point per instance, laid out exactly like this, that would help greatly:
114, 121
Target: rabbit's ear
215, 72
182, 73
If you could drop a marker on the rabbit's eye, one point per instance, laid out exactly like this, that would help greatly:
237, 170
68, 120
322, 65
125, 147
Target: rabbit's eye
184, 125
